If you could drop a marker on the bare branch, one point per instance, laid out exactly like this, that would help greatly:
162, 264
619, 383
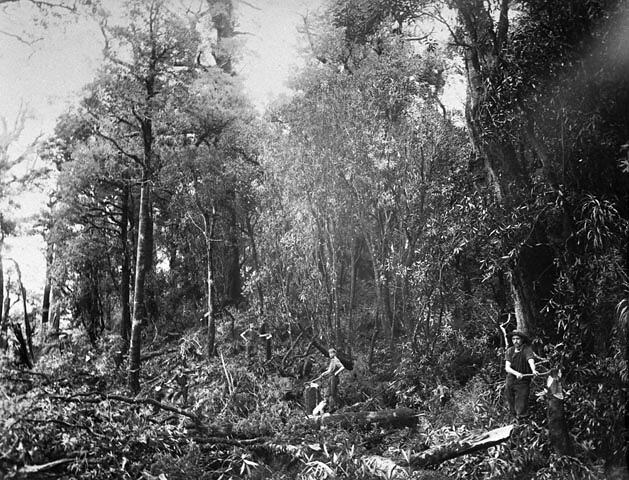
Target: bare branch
439, 18
21, 39
250, 5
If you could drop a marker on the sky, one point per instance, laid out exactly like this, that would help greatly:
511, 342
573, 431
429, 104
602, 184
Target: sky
48, 76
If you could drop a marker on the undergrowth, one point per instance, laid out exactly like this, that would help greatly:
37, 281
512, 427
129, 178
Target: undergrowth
239, 417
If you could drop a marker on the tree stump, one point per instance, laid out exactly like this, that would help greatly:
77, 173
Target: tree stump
557, 426
312, 397
333, 400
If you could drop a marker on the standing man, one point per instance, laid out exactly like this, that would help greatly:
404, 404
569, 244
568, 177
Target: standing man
520, 367
334, 370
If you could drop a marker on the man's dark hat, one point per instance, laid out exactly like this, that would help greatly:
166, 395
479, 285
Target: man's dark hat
524, 336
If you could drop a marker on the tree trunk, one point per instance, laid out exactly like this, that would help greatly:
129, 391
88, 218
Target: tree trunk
484, 40
372, 345
224, 24
267, 341
24, 356
139, 311
55, 316
355, 253
150, 295
522, 301
27, 322
6, 306
233, 280
47, 286
125, 315
385, 323
256, 264
3, 328
557, 425
209, 225
312, 398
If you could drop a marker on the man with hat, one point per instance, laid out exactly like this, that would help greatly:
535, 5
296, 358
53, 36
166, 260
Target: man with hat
520, 367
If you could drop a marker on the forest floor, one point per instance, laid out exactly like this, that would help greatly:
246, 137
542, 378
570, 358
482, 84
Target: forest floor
238, 417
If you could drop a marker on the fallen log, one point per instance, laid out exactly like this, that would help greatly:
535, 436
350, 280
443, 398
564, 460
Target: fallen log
399, 417
472, 443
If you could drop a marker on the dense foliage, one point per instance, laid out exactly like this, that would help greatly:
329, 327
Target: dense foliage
202, 253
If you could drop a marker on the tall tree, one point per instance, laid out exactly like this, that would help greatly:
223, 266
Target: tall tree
150, 58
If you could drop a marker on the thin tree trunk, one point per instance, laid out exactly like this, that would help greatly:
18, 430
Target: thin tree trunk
6, 307
352, 290
125, 317
335, 279
150, 296
267, 341
3, 328
47, 289
256, 264
27, 322
209, 225
55, 317
25, 358
139, 311
372, 345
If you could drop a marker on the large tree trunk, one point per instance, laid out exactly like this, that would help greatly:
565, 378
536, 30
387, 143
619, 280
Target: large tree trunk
522, 301
139, 311
484, 40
